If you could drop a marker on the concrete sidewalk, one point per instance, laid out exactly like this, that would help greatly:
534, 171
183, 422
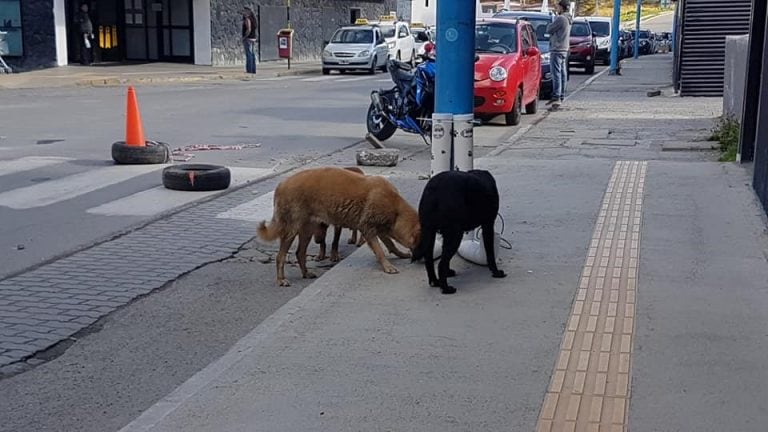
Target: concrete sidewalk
147, 73
635, 298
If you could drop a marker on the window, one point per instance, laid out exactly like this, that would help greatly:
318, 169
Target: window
489, 37
601, 28
10, 28
526, 38
580, 29
353, 36
387, 30
403, 32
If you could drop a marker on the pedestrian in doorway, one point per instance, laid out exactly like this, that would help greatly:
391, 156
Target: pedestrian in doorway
85, 32
559, 46
249, 40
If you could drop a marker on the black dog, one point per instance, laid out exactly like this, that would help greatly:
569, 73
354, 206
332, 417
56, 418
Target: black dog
454, 202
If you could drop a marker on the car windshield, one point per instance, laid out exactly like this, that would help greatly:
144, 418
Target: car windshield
645, 34
580, 29
601, 28
420, 35
496, 37
388, 31
353, 36
539, 25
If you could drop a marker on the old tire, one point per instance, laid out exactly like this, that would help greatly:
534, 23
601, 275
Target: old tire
152, 153
378, 125
196, 177
514, 117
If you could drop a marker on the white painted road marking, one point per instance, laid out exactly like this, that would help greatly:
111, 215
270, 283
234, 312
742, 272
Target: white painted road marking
65, 188
255, 210
160, 199
29, 163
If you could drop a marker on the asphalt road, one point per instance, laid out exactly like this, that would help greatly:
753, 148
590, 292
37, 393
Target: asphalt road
60, 190
145, 350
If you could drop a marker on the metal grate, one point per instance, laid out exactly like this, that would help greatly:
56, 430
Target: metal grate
705, 24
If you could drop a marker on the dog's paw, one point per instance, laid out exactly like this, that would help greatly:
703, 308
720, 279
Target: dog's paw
451, 273
335, 257
391, 269
499, 274
448, 290
352, 240
283, 283
309, 275
434, 283
320, 257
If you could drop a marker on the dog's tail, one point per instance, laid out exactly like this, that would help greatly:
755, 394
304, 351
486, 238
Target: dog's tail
268, 232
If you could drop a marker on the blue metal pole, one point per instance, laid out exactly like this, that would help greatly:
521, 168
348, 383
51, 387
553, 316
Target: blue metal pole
615, 24
637, 28
454, 86
674, 27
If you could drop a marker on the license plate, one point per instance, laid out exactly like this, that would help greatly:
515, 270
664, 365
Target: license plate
343, 61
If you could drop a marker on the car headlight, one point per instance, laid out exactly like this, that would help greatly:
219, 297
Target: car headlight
545, 58
498, 73
327, 53
365, 53
584, 44
390, 45
605, 43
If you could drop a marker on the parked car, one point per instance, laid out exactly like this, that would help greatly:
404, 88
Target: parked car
539, 21
603, 29
399, 40
354, 48
422, 35
508, 69
583, 46
647, 43
627, 43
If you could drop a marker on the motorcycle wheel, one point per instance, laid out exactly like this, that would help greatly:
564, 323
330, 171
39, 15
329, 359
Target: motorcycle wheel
378, 125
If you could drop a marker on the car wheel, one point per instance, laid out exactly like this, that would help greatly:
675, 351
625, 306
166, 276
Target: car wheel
372, 70
533, 107
398, 57
384, 66
590, 68
413, 59
378, 125
326, 71
513, 117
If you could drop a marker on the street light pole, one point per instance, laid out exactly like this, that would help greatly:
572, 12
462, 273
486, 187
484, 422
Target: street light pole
637, 29
615, 24
454, 86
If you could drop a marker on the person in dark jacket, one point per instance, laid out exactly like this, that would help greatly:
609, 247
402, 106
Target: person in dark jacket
559, 46
249, 39
85, 32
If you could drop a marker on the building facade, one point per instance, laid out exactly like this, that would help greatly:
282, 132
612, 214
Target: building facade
41, 33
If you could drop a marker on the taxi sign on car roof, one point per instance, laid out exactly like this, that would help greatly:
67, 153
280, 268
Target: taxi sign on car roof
361, 21
418, 25
387, 18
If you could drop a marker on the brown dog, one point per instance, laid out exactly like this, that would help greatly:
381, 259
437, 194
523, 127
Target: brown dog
335, 196
322, 232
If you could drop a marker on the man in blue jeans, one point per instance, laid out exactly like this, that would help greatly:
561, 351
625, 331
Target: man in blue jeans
249, 40
559, 46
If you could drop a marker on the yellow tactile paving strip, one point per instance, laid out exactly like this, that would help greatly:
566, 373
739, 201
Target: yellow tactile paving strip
590, 386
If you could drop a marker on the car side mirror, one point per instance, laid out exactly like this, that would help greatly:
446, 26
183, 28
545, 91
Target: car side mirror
594, 34
532, 52
477, 58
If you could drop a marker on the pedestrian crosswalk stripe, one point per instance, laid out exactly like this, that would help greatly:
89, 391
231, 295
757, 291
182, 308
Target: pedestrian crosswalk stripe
255, 210
160, 199
65, 188
29, 163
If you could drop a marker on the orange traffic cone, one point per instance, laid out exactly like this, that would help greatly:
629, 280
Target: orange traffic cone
134, 131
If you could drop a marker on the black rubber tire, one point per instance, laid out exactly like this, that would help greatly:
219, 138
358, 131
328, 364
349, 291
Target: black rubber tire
533, 107
383, 131
590, 68
514, 117
384, 67
196, 177
326, 71
372, 70
152, 153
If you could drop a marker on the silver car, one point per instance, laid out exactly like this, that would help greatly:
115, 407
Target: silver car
355, 48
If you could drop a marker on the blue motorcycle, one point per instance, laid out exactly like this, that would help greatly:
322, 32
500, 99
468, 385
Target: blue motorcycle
408, 105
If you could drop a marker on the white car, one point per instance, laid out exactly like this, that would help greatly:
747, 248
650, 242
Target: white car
603, 29
422, 35
401, 45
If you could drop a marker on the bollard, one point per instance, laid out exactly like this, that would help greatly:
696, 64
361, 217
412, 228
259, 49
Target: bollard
442, 137
463, 142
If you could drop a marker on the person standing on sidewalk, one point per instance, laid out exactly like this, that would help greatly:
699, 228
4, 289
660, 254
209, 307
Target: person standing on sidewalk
249, 39
85, 30
559, 46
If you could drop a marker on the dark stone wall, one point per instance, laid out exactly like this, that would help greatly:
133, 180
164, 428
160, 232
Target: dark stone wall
313, 20
38, 36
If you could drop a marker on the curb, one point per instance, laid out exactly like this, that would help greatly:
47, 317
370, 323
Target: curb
112, 81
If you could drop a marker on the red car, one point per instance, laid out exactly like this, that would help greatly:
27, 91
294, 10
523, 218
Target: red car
583, 46
508, 71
